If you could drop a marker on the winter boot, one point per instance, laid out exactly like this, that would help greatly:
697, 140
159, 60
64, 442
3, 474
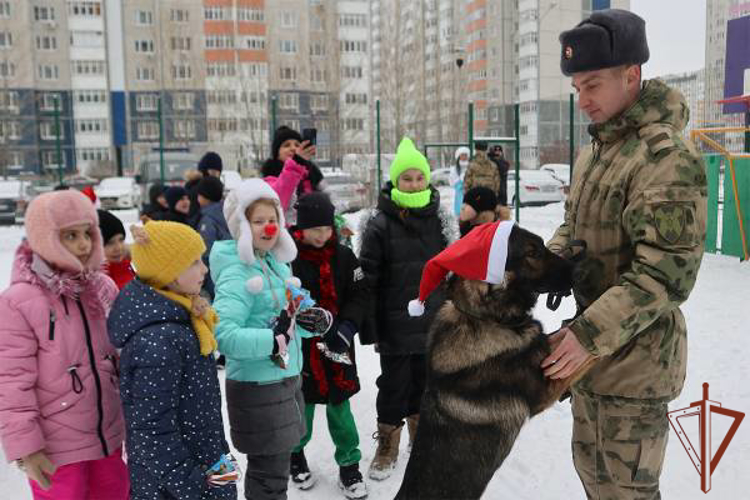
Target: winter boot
351, 482
384, 462
300, 472
412, 421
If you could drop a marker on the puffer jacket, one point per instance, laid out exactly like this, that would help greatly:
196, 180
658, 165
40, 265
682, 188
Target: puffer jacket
58, 371
396, 244
245, 318
171, 398
638, 200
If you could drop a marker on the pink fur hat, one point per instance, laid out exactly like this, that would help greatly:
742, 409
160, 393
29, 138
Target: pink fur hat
48, 214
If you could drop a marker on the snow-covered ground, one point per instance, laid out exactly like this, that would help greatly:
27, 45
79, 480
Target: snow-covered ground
540, 466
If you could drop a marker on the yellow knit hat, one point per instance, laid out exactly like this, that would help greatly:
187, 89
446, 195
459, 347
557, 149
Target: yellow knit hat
163, 250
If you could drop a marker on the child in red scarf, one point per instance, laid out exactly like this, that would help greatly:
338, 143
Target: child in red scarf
116, 252
331, 272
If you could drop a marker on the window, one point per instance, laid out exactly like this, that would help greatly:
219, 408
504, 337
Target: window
91, 126
221, 69
318, 75
322, 153
353, 124
84, 67
254, 97
221, 97
50, 160
148, 130
288, 46
319, 102
180, 43
351, 71
292, 124
146, 102
353, 46
92, 154
219, 41
253, 70
46, 42
144, 17
322, 125
144, 74
144, 46
317, 49
48, 72
355, 98
184, 100
47, 101
184, 129
289, 101
249, 14
353, 20
87, 39
288, 73
288, 19
179, 15
253, 42
87, 9
4, 10
44, 13
8, 100
217, 14
7, 69
182, 71
47, 131
10, 131
90, 96
6, 40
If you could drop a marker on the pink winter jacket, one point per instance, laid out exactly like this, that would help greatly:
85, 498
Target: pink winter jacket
58, 371
286, 183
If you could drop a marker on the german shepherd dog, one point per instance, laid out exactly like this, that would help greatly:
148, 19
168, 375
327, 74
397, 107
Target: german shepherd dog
484, 378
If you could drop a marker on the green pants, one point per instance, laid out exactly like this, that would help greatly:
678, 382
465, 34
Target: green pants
343, 432
618, 447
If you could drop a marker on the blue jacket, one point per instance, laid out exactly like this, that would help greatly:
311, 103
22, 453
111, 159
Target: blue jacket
170, 396
245, 318
212, 228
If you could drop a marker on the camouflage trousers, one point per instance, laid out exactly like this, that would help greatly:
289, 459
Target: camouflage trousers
618, 447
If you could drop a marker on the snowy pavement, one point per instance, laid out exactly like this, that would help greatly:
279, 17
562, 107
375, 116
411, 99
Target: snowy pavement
540, 465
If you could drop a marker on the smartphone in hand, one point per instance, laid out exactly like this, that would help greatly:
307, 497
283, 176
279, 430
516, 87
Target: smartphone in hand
310, 134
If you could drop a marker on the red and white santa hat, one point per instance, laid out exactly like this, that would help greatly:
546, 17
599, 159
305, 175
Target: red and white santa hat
480, 255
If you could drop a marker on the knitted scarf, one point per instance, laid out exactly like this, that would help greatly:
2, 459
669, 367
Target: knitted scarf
420, 199
202, 316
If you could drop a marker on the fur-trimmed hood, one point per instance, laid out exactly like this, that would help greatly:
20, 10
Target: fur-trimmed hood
94, 288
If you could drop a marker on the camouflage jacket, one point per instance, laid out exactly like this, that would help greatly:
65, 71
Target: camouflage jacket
638, 199
482, 172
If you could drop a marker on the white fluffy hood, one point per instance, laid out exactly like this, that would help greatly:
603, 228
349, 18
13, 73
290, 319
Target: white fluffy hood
241, 197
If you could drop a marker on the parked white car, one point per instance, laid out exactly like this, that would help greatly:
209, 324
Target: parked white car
118, 192
14, 198
537, 188
440, 177
347, 193
560, 171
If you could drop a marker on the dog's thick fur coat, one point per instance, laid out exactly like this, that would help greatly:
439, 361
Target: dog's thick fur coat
484, 378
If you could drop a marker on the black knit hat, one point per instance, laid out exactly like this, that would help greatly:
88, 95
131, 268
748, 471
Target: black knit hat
480, 146
211, 188
210, 161
481, 198
173, 195
314, 210
109, 225
282, 135
608, 38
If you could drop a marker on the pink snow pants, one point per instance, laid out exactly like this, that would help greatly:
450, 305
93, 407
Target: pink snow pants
103, 479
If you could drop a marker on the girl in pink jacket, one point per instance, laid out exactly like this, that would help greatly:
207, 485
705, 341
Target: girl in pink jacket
60, 413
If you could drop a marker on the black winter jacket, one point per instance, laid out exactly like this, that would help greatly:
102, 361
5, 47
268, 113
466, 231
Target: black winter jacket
396, 244
351, 298
170, 396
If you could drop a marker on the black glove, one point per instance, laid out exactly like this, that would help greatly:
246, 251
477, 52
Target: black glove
315, 320
281, 332
339, 339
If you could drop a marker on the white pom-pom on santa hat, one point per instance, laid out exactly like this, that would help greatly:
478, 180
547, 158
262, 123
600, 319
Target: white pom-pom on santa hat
254, 285
293, 281
480, 255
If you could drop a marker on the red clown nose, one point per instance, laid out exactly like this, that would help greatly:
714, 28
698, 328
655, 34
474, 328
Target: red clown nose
271, 229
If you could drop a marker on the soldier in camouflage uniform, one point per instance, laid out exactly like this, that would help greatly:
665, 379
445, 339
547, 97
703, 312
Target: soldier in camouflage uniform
638, 200
482, 171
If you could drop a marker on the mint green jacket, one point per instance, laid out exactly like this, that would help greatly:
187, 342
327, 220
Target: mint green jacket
245, 318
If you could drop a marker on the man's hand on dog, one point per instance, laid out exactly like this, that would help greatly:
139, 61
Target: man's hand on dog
568, 355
